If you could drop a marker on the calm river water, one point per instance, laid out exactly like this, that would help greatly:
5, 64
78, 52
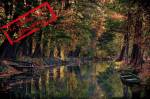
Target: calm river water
87, 81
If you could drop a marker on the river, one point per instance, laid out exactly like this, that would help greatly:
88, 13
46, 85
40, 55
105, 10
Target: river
92, 80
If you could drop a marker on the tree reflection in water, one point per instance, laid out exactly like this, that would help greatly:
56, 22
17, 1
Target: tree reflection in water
66, 82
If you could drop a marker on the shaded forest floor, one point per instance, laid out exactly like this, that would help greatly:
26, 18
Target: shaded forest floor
145, 71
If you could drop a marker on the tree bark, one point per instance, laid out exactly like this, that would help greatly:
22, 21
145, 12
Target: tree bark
125, 47
136, 56
38, 48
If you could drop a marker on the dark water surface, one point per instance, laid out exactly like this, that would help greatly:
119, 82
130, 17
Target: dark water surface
87, 81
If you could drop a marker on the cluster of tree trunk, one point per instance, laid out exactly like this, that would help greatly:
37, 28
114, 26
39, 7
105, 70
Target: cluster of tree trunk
30, 46
135, 33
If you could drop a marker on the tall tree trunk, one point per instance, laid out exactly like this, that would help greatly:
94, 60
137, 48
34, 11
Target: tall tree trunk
62, 53
24, 47
6, 50
136, 56
56, 52
38, 48
125, 47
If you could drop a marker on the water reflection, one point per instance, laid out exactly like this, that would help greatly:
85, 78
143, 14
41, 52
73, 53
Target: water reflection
75, 82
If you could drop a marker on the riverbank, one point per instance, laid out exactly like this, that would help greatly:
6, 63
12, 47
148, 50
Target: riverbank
8, 70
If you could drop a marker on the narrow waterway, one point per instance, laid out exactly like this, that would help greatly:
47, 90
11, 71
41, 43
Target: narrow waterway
87, 81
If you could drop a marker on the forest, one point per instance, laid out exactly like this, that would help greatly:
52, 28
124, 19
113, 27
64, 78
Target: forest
92, 49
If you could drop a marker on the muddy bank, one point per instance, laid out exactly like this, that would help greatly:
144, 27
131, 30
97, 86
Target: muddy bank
8, 70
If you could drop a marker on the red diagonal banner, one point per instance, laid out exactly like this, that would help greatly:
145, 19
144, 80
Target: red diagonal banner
29, 23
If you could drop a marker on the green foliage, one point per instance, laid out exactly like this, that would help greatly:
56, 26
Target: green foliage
108, 44
105, 38
146, 34
117, 6
87, 53
0, 42
60, 37
105, 42
113, 24
84, 33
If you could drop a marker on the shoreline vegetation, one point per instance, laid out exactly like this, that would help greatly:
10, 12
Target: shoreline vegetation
7, 70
